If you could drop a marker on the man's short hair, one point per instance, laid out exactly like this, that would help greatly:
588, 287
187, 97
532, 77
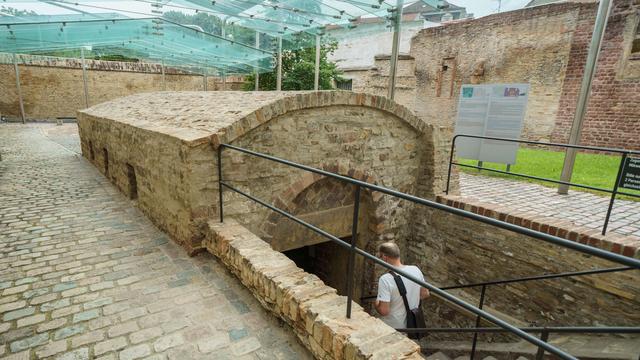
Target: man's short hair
389, 249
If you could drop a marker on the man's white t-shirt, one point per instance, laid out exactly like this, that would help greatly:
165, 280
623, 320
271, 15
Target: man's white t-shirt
388, 292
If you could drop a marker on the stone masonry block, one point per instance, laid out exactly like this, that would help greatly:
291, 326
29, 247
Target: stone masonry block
314, 311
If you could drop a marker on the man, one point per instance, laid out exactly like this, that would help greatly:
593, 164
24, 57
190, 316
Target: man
389, 303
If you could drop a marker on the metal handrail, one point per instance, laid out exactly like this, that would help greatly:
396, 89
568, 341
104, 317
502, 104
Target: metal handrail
625, 153
538, 329
540, 277
528, 278
355, 250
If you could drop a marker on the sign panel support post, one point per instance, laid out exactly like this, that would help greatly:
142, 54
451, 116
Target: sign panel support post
623, 161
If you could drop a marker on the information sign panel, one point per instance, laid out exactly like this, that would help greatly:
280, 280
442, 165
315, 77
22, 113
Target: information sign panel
631, 174
495, 110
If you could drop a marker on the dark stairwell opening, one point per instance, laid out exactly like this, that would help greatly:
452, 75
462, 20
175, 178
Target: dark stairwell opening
327, 260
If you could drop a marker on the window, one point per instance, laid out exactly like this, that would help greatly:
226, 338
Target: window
92, 154
133, 183
346, 84
105, 155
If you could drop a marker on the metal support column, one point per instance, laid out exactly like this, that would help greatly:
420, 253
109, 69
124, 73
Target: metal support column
583, 97
279, 71
18, 89
220, 197
84, 79
164, 80
257, 84
224, 79
393, 66
316, 78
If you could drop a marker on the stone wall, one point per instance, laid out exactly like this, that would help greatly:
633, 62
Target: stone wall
170, 141
163, 191
53, 87
531, 45
545, 46
453, 250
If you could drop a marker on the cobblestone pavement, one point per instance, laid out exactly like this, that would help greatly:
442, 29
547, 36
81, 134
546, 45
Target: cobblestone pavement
83, 274
581, 208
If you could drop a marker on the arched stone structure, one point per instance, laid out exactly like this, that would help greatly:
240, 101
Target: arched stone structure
170, 140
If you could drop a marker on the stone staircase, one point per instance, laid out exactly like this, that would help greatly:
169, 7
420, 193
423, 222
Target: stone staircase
581, 346
441, 356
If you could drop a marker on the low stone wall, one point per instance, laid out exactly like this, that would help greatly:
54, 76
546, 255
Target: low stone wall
620, 244
53, 87
314, 310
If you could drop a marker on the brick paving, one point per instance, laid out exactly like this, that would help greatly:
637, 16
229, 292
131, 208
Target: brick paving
84, 275
581, 208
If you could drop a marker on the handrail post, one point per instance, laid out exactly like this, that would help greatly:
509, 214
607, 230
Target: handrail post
453, 145
623, 160
352, 252
544, 337
475, 334
220, 180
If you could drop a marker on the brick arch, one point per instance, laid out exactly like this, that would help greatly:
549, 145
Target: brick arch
315, 99
285, 200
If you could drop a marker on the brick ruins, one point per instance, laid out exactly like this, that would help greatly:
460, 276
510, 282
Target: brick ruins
545, 46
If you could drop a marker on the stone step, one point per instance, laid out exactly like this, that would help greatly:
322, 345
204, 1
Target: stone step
581, 346
438, 356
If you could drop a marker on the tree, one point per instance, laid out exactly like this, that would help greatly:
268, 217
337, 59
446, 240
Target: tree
298, 70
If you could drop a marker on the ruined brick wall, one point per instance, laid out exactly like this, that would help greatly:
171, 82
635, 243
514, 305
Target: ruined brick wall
613, 112
375, 80
545, 46
53, 87
531, 45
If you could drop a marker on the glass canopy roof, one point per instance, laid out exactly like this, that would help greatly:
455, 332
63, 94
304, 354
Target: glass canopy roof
137, 28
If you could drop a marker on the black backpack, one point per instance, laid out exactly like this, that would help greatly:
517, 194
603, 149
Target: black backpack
415, 317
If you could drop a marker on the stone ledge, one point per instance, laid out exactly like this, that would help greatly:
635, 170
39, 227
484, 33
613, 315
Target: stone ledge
616, 243
313, 310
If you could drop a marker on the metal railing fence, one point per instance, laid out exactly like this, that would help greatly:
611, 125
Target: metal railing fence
634, 263
614, 191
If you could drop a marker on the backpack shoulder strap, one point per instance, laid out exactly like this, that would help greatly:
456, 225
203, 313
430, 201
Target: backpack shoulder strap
402, 290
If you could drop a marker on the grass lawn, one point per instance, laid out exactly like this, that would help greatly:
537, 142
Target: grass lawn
590, 169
